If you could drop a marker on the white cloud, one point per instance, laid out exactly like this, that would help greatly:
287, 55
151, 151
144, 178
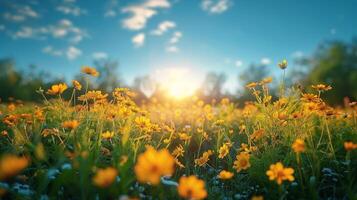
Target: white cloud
239, 63
157, 4
138, 18
71, 10
175, 37
265, 61
63, 29
141, 13
138, 40
20, 14
51, 51
216, 6
26, 32
99, 55
172, 49
73, 52
163, 27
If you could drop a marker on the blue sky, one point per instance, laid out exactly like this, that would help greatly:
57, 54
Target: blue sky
151, 36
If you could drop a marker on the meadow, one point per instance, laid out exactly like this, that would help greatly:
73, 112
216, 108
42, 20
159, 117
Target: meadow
95, 145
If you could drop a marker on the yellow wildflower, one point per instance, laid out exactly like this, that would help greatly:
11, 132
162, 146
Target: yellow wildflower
224, 150
57, 89
90, 71
105, 177
191, 188
349, 146
242, 162
279, 173
204, 159
298, 146
257, 197
225, 175
10, 165
72, 124
107, 135
252, 85
76, 85
152, 164
321, 87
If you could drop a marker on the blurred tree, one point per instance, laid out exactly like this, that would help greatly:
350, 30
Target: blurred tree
109, 76
212, 85
252, 73
20, 85
335, 63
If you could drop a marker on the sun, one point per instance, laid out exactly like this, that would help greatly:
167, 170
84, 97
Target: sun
179, 83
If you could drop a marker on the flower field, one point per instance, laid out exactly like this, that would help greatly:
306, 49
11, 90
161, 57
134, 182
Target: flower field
95, 145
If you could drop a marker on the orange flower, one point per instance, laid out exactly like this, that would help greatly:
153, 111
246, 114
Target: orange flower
76, 85
349, 146
90, 71
204, 159
73, 124
321, 87
298, 146
279, 173
191, 188
152, 164
225, 175
10, 165
105, 177
57, 89
257, 197
242, 162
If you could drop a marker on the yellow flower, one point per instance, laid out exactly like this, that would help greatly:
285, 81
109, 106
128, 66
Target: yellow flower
105, 177
283, 64
90, 71
349, 146
191, 188
257, 197
225, 175
252, 85
57, 89
11, 107
152, 164
107, 135
279, 173
242, 162
76, 85
184, 136
298, 146
223, 151
93, 95
321, 87
73, 124
10, 165
266, 80
179, 151
204, 159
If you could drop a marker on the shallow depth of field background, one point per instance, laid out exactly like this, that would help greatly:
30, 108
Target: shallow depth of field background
169, 99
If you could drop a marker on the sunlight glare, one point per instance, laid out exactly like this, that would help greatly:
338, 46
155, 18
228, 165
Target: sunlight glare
178, 82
